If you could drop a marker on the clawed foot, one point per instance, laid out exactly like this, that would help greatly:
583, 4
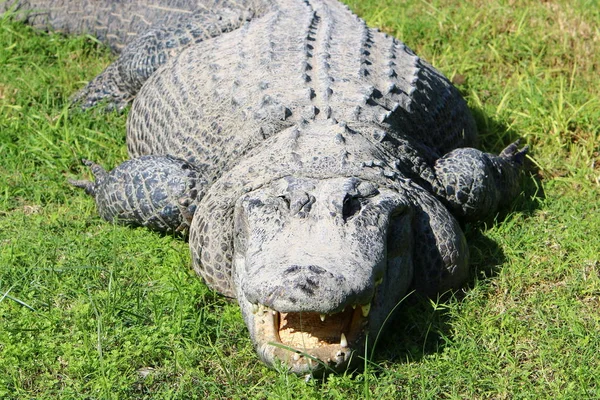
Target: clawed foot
103, 89
158, 192
512, 152
89, 186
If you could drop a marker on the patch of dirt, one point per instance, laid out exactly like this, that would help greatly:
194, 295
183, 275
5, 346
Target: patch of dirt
571, 23
7, 93
29, 210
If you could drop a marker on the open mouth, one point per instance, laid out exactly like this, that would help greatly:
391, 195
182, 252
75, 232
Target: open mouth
310, 340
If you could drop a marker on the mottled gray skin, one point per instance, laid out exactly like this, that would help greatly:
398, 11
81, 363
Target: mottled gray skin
325, 164
158, 192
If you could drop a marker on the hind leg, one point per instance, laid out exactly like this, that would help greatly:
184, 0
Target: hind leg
158, 192
119, 83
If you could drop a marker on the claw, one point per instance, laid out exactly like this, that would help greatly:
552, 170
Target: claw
89, 186
513, 153
99, 172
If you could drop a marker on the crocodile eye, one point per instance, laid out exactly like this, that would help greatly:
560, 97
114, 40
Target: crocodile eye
285, 200
350, 207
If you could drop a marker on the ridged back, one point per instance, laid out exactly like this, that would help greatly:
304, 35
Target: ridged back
303, 61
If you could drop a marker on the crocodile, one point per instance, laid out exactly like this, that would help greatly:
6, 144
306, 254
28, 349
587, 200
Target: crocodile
318, 167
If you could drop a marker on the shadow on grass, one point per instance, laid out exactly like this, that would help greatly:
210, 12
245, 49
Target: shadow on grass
422, 326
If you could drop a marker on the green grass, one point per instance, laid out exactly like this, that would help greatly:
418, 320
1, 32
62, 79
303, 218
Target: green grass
93, 310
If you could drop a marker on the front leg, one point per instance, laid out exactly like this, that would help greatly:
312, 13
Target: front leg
441, 253
475, 184
158, 192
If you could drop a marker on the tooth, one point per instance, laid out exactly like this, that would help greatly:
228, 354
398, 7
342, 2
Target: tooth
365, 309
322, 317
274, 312
296, 356
254, 308
343, 341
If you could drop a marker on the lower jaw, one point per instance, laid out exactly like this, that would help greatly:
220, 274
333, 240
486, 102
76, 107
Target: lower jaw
315, 362
320, 348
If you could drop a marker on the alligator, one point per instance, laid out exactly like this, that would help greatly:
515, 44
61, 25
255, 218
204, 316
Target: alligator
318, 167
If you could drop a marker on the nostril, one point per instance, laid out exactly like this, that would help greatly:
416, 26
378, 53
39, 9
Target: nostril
312, 282
316, 269
306, 288
292, 269
305, 277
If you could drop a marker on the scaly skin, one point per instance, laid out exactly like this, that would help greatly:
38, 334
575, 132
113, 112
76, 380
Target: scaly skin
325, 162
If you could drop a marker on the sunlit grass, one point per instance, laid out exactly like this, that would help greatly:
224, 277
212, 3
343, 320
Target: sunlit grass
93, 310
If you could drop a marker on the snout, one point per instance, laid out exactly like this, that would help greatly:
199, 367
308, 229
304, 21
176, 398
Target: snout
306, 287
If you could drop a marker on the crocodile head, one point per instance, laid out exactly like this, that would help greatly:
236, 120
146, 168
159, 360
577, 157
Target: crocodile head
318, 266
